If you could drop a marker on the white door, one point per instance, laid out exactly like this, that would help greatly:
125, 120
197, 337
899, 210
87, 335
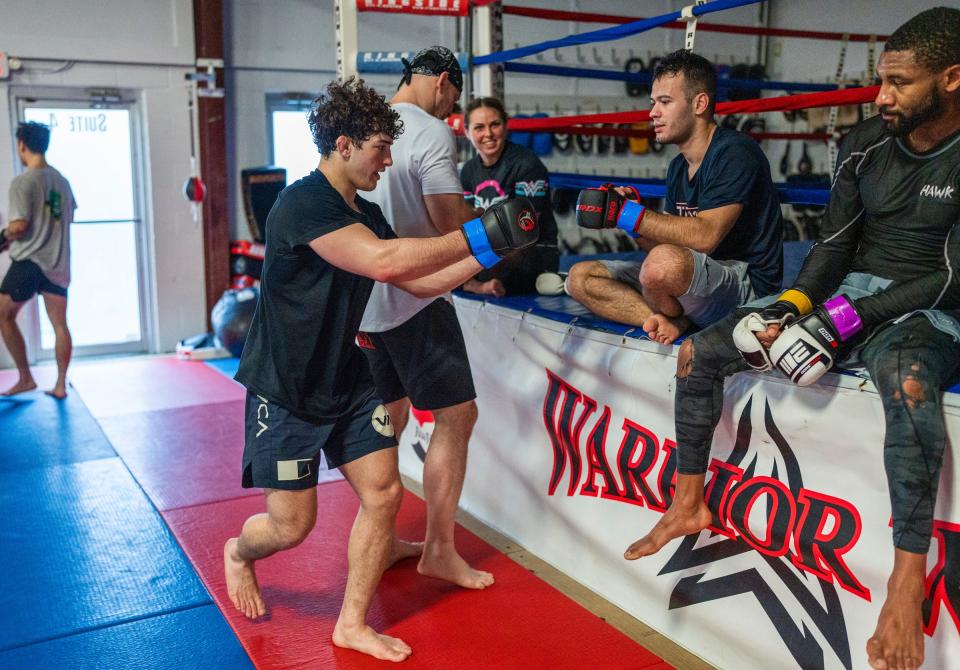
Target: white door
98, 150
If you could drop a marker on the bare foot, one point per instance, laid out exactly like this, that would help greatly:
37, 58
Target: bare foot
897, 643
402, 549
58, 392
242, 584
493, 287
673, 524
665, 329
21, 386
449, 565
368, 641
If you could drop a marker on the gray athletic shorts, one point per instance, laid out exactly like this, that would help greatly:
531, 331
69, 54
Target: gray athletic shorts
717, 287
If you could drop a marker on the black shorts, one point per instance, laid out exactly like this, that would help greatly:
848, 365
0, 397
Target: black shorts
282, 451
424, 359
24, 279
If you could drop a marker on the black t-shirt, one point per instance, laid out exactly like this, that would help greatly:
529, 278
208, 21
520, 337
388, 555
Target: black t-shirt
518, 173
890, 214
735, 171
300, 351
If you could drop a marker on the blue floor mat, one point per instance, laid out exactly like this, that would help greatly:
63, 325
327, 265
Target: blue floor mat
197, 638
227, 366
83, 549
37, 430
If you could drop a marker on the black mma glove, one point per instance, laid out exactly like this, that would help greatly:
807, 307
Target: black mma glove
505, 226
599, 208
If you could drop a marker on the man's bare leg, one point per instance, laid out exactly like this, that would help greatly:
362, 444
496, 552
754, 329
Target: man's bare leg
688, 514
56, 306
288, 520
403, 549
376, 480
666, 274
590, 284
897, 642
13, 339
399, 412
443, 474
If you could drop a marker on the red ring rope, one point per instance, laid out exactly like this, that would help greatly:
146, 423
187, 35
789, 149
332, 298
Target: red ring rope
456, 123
588, 17
639, 132
849, 96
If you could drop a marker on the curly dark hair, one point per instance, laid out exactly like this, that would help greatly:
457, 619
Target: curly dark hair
353, 109
36, 136
698, 73
933, 36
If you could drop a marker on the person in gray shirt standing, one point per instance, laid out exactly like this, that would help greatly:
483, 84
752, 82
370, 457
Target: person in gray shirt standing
41, 211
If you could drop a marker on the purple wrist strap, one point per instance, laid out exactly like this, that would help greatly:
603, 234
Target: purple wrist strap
844, 316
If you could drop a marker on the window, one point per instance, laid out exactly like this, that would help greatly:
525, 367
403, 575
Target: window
292, 146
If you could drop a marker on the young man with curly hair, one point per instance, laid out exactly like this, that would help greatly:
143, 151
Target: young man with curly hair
309, 388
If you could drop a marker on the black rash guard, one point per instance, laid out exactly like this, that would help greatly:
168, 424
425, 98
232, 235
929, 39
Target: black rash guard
893, 213
300, 350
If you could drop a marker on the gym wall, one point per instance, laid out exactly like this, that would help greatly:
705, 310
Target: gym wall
158, 35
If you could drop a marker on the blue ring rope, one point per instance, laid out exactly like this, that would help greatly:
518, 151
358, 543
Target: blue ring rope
656, 188
646, 78
607, 34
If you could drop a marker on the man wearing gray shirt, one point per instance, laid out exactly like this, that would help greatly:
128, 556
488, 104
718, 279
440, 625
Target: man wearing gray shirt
414, 345
41, 211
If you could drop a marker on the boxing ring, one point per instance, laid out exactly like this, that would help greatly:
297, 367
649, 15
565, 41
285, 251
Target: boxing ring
573, 457
573, 454
484, 26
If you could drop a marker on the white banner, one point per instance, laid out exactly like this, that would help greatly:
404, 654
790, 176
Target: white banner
571, 458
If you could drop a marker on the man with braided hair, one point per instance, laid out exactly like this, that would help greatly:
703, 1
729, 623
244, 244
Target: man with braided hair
880, 287
308, 387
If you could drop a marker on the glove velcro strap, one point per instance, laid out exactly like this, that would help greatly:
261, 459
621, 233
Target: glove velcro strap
844, 316
630, 217
479, 243
798, 299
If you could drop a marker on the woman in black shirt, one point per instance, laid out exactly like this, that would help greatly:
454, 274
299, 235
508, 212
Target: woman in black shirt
501, 170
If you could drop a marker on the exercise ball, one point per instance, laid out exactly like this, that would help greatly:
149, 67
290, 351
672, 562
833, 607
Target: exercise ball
232, 315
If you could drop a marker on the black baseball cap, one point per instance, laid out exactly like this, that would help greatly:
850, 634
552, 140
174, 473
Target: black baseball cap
433, 61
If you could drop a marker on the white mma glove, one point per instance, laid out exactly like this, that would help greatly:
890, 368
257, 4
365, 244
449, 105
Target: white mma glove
745, 339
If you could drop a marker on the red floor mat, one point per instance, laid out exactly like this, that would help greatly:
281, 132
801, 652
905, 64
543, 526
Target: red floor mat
185, 455
130, 385
521, 622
